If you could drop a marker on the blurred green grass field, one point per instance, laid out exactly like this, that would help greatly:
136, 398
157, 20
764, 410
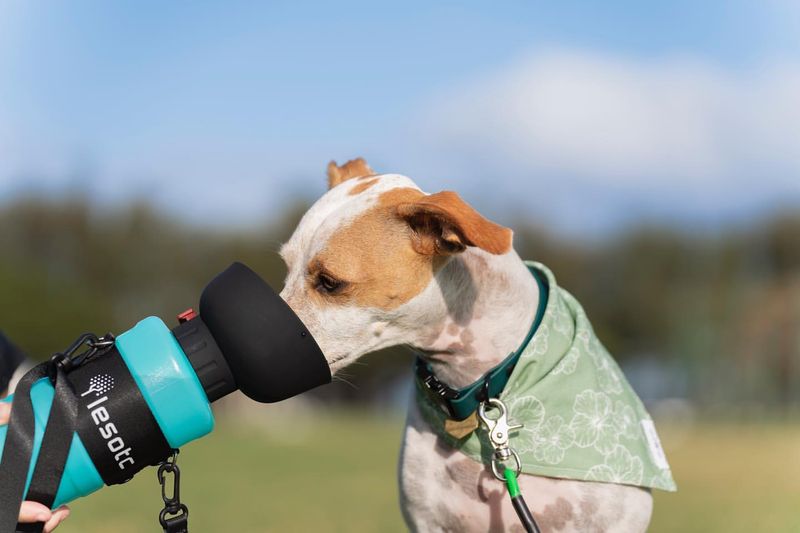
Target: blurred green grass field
337, 474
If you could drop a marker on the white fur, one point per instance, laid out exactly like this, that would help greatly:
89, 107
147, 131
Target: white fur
473, 313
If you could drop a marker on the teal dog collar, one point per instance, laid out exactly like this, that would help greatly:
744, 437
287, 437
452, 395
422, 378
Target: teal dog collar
461, 403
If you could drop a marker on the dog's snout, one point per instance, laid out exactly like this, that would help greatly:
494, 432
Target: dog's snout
289, 298
296, 301
288, 292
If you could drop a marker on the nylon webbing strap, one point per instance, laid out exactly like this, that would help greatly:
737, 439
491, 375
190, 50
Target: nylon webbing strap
17, 450
55, 448
56, 442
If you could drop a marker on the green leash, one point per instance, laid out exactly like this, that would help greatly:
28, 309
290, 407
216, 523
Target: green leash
518, 502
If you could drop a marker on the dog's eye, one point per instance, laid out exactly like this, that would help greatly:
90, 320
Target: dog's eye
329, 284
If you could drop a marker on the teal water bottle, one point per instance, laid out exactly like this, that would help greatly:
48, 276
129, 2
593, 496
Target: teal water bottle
149, 390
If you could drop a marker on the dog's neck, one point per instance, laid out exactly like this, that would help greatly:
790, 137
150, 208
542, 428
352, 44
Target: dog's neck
486, 306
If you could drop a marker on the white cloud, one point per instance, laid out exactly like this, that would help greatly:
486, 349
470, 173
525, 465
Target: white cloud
635, 125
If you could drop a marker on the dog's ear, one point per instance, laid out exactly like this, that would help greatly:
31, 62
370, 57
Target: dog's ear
355, 168
444, 224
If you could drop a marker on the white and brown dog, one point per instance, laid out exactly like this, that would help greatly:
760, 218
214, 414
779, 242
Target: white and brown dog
376, 262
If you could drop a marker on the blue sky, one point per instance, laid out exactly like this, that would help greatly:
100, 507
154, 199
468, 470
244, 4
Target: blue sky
581, 116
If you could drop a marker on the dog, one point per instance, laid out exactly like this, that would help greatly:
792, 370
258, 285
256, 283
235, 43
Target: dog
376, 262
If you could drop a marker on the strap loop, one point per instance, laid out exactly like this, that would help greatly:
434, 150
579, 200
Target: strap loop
175, 524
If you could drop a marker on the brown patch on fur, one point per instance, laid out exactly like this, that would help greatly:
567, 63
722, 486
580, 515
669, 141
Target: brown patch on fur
493, 493
452, 329
556, 516
455, 347
352, 169
391, 199
466, 475
363, 186
449, 521
445, 224
589, 518
597, 518
374, 256
385, 258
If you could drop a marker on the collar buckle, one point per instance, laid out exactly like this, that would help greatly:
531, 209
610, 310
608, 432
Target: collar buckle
433, 384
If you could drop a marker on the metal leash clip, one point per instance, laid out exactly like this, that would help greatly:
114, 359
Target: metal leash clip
499, 429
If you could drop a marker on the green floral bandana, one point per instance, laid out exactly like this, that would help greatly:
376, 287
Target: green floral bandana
582, 419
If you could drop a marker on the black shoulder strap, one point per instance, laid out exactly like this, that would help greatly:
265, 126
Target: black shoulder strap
17, 450
56, 441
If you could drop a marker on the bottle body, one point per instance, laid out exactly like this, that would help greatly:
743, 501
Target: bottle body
168, 384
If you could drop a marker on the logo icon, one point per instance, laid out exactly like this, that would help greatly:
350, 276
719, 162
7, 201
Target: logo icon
99, 384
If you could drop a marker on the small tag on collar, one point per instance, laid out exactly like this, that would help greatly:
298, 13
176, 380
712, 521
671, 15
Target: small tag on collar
459, 429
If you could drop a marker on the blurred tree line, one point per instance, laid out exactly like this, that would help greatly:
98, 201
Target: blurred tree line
718, 315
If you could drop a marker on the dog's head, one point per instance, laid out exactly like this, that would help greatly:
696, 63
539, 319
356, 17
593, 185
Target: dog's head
363, 261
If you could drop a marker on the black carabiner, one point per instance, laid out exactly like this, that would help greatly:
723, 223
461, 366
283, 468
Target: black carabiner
179, 523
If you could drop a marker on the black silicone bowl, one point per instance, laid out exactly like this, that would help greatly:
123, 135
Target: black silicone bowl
269, 350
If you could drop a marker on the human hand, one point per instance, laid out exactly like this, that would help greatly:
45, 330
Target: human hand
33, 511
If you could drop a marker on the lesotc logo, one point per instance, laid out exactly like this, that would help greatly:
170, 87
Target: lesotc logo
99, 384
